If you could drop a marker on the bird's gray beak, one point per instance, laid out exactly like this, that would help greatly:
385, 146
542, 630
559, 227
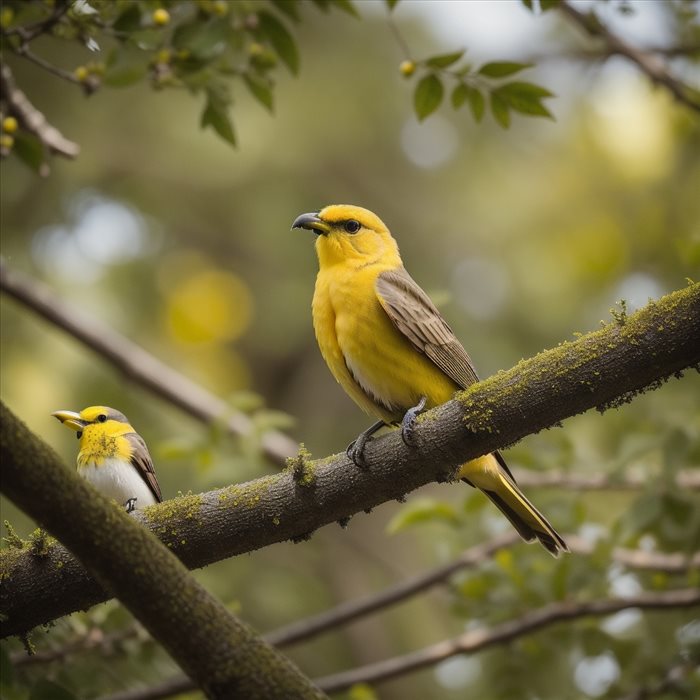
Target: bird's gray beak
311, 222
70, 419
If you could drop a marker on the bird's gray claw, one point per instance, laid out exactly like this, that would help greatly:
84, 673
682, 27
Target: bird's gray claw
408, 423
355, 452
131, 505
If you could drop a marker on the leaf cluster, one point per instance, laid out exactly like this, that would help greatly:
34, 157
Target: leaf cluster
477, 87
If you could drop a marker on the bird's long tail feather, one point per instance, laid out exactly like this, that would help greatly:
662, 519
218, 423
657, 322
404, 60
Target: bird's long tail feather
491, 475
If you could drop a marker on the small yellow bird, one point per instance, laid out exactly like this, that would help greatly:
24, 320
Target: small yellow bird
113, 457
392, 351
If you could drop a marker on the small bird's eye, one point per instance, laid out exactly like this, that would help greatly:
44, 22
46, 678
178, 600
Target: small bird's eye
102, 418
352, 226
79, 434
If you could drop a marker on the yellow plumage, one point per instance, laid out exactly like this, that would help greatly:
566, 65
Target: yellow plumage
389, 347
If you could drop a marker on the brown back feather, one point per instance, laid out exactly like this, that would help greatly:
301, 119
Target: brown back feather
141, 459
414, 315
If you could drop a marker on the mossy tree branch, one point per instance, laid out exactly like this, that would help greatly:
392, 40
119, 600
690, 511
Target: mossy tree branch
601, 369
219, 652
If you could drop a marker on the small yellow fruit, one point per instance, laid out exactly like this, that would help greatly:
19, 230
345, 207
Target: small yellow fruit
9, 125
256, 49
6, 142
220, 8
407, 68
161, 17
164, 56
7, 14
81, 73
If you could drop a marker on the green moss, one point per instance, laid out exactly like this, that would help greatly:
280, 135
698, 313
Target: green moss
302, 468
12, 539
9, 558
41, 543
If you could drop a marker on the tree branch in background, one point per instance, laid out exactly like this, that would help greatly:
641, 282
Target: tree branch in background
468, 643
219, 652
19, 106
479, 639
685, 479
150, 373
137, 364
650, 64
602, 369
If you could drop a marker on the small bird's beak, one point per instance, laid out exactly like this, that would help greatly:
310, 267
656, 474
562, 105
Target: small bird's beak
311, 222
71, 419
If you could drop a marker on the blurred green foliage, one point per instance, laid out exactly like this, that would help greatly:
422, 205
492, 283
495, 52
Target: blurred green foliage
525, 237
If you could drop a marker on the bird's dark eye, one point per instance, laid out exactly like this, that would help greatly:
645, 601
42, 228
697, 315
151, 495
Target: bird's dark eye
79, 434
352, 226
102, 418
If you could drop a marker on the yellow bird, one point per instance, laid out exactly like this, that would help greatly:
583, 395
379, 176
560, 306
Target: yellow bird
113, 457
392, 351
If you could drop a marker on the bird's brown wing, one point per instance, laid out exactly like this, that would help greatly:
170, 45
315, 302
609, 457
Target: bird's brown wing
414, 315
141, 459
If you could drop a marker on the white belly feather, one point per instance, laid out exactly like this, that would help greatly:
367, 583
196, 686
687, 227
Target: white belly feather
119, 480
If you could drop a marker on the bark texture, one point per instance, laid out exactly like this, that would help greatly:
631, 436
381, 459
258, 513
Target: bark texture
219, 652
601, 369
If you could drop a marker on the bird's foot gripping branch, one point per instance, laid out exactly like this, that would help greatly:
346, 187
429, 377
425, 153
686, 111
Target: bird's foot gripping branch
597, 370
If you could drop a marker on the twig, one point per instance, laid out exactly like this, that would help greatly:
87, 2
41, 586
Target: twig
31, 118
94, 638
149, 372
685, 479
139, 365
46, 65
601, 369
32, 31
649, 64
346, 612
479, 639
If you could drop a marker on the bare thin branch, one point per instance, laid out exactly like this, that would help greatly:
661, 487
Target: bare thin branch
650, 64
139, 365
685, 479
31, 118
144, 369
479, 639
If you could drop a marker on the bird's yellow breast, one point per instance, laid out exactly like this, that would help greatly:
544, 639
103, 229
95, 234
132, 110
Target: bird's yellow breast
367, 355
102, 441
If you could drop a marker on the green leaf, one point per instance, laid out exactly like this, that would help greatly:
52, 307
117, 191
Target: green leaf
477, 104
422, 510
281, 40
500, 111
288, 7
501, 69
48, 690
527, 3
260, 89
346, 6
525, 98
444, 60
204, 40
548, 4
216, 116
391, 4
129, 20
459, 95
428, 96
124, 67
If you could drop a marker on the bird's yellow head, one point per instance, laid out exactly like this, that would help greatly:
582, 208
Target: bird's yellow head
101, 432
351, 235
